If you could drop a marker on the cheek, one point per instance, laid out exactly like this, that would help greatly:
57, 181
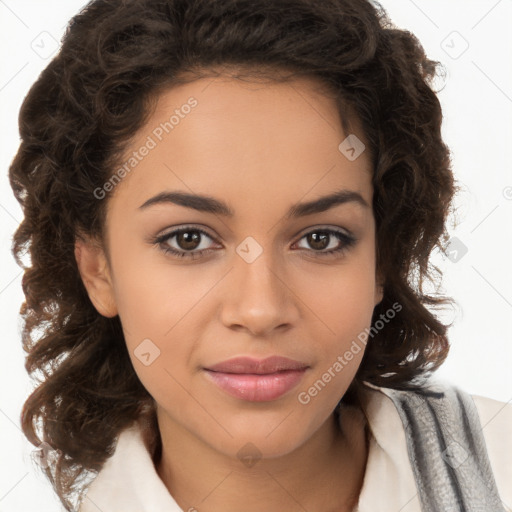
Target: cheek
343, 298
342, 308
158, 305
153, 294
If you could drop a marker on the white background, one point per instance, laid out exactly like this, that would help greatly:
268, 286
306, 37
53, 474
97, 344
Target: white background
477, 103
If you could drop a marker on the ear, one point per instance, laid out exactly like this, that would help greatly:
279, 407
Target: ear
95, 273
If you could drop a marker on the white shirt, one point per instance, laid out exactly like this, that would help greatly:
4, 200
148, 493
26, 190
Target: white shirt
128, 481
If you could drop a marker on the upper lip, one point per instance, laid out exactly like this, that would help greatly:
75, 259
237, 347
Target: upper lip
257, 366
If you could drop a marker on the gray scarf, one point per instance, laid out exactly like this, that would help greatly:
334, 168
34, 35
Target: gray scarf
447, 450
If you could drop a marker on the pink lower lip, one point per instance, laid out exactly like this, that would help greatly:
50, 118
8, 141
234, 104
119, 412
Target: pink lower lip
257, 388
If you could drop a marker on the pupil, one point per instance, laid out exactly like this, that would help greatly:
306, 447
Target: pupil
185, 241
318, 240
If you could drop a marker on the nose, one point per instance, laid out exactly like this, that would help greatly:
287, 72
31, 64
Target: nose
258, 297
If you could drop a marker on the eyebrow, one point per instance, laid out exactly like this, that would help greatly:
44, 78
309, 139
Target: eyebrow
209, 204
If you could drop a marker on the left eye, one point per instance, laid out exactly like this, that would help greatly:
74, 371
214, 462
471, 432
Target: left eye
328, 240
188, 242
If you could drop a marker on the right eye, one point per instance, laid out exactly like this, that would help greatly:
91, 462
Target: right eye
187, 242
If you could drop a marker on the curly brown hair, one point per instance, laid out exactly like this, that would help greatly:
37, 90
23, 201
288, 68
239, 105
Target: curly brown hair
91, 99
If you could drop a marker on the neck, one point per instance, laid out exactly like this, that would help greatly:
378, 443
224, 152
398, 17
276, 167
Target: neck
325, 474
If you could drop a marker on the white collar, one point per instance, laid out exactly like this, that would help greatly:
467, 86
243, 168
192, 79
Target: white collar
128, 481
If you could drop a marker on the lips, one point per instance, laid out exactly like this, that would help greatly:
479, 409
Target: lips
257, 380
257, 366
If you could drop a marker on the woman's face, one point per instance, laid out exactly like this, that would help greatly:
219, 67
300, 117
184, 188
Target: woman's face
241, 168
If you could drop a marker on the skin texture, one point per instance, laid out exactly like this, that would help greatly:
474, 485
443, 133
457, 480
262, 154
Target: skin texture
259, 148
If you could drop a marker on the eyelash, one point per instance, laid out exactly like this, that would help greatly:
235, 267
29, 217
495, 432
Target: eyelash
348, 241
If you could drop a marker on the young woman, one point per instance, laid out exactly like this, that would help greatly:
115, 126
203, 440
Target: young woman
230, 208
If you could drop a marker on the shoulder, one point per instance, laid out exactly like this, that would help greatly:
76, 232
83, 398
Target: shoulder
496, 423
440, 417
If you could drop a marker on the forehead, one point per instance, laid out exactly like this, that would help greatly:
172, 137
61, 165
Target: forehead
231, 135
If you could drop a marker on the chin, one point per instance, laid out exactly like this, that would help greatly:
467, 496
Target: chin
249, 448
268, 436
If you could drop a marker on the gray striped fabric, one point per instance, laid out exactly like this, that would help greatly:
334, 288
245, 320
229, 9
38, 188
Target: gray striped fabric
447, 450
